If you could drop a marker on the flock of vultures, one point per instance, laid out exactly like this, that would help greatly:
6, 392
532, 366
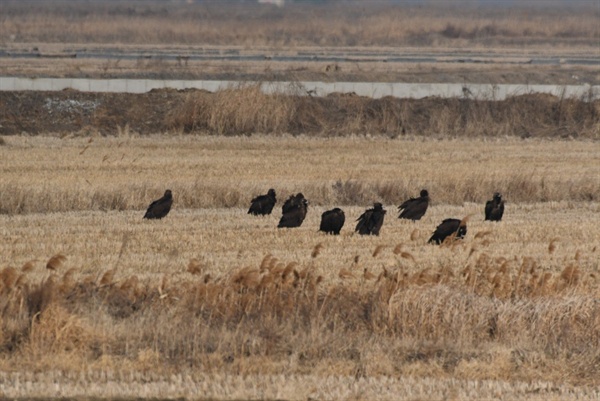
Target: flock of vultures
369, 223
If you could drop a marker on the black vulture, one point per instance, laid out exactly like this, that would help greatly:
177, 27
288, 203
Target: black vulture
414, 208
263, 204
160, 207
449, 227
332, 221
293, 211
370, 222
494, 209
294, 202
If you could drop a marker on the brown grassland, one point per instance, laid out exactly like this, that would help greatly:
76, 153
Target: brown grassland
300, 24
212, 303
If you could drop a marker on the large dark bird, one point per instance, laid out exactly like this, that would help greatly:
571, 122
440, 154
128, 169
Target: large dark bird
294, 211
414, 208
370, 222
449, 227
160, 207
332, 221
494, 209
263, 204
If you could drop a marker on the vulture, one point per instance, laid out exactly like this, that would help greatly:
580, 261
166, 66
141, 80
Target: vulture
263, 204
370, 222
414, 208
332, 221
160, 207
294, 211
449, 227
494, 208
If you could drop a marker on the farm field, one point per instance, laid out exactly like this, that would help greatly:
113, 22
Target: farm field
457, 42
211, 302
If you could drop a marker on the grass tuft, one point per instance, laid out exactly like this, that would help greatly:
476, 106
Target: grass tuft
378, 250
55, 261
317, 250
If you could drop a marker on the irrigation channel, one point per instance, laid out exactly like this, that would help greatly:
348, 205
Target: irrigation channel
307, 88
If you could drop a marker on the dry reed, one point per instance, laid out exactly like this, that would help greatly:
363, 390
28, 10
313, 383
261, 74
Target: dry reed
299, 24
247, 110
295, 312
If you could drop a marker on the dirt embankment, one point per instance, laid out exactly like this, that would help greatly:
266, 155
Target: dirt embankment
247, 111
70, 111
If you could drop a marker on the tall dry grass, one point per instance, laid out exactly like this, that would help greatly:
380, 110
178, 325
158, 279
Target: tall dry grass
248, 24
292, 317
92, 293
247, 110
229, 111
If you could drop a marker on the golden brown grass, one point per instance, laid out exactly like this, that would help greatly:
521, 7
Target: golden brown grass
246, 110
94, 300
210, 294
249, 25
44, 174
265, 303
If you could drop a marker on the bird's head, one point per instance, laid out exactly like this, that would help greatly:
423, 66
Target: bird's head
424, 193
168, 194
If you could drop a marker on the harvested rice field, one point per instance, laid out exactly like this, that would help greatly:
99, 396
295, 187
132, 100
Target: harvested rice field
213, 303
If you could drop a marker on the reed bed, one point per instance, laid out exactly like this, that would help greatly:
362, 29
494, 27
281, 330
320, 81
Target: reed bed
515, 300
348, 24
246, 109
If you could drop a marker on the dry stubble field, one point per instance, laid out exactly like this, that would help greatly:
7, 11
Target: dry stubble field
211, 302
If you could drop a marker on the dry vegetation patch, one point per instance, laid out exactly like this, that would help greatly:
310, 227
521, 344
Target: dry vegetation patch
210, 294
253, 300
246, 110
300, 24
49, 174
339, 41
212, 302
